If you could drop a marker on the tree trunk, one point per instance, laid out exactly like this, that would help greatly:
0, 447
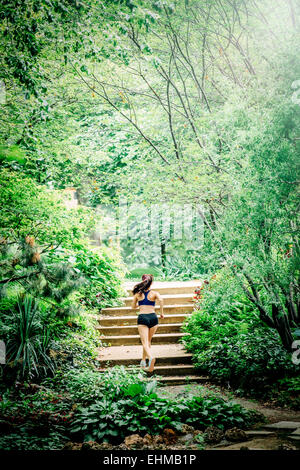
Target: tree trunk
163, 253
283, 327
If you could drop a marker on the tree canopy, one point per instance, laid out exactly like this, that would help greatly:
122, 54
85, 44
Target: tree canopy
186, 102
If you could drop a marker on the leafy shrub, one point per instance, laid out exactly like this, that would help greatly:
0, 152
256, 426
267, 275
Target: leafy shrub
247, 360
230, 342
33, 258
123, 402
143, 412
23, 441
7, 304
83, 404
104, 270
74, 342
33, 420
88, 385
286, 392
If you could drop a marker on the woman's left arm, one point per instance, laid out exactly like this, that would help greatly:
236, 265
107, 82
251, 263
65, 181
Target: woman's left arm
161, 303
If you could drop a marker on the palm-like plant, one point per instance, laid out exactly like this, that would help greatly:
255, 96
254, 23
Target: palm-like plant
28, 340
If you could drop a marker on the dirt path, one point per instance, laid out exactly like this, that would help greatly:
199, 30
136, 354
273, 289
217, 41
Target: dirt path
272, 414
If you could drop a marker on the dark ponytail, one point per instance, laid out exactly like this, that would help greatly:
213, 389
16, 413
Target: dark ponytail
147, 280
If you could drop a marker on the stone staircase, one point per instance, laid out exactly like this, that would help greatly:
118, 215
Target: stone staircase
118, 329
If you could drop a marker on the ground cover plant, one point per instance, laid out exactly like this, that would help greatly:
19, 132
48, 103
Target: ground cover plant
83, 405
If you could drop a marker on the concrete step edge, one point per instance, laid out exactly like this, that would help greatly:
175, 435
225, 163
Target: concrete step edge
134, 326
175, 366
180, 357
172, 378
130, 317
157, 335
122, 308
162, 367
167, 296
132, 320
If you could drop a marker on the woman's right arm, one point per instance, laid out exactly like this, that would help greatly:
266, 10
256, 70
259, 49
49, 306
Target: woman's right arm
134, 303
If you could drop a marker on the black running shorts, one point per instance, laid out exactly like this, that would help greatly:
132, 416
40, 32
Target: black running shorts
148, 319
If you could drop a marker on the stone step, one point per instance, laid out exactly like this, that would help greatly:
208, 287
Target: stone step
169, 299
133, 329
166, 370
164, 338
118, 329
294, 438
283, 426
169, 287
173, 353
171, 370
259, 433
132, 319
168, 309
166, 361
182, 380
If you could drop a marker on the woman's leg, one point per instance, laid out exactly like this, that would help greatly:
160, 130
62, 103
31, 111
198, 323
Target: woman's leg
151, 333
143, 332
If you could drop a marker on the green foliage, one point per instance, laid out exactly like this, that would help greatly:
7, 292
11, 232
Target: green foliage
12, 153
87, 386
246, 360
38, 341
88, 405
75, 342
286, 392
43, 276
8, 304
29, 209
34, 418
90, 103
125, 403
29, 31
200, 439
137, 273
180, 264
47, 252
230, 343
21, 441
28, 341
104, 269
